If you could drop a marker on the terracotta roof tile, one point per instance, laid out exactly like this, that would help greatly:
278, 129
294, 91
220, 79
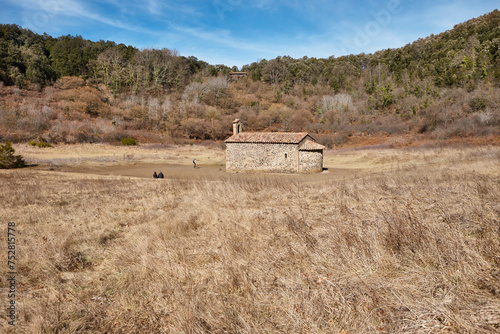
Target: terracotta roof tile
311, 146
268, 137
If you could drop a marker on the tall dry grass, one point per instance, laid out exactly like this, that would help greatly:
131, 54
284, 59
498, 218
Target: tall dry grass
412, 250
106, 154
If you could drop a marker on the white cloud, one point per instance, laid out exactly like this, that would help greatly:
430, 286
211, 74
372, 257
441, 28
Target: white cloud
38, 14
322, 28
221, 37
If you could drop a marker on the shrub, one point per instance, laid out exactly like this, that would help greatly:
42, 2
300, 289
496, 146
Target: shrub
128, 141
40, 144
70, 83
84, 100
8, 159
340, 139
478, 103
326, 141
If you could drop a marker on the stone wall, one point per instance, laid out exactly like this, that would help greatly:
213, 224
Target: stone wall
310, 161
281, 158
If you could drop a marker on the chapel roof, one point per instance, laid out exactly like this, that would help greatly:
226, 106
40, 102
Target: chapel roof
268, 137
310, 145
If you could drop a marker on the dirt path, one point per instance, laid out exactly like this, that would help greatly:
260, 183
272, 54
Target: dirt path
172, 171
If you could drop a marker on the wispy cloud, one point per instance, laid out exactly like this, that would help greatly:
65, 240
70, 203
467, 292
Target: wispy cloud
74, 9
246, 31
222, 38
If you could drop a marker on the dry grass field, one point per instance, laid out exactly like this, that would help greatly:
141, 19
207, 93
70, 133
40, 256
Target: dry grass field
92, 155
385, 241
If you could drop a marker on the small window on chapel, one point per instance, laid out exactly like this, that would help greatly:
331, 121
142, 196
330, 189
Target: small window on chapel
286, 155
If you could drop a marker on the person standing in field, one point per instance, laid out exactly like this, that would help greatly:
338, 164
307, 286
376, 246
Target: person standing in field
194, 162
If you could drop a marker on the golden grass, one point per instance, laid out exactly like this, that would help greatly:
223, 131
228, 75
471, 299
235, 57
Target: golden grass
410, 245
480, 159
106, 154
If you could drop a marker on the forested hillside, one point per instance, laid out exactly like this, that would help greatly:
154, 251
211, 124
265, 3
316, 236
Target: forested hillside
69, 89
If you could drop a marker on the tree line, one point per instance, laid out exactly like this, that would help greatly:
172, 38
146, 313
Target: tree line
30, 58
460, 57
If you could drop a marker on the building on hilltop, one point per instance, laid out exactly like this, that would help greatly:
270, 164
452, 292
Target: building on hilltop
276, 152
235, 76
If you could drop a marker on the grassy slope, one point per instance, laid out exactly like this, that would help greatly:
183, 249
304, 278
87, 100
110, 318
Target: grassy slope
409, 245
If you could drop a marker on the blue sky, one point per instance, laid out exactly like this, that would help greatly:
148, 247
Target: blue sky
237, 32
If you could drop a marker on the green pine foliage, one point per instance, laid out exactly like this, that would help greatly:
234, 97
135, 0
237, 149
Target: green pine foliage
8, 159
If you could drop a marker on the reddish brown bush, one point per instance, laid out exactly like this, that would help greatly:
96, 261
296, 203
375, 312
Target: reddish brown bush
69, 83
86, 100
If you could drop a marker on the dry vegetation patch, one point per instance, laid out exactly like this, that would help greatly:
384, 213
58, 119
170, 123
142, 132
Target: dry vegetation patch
106, 154
413, 249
